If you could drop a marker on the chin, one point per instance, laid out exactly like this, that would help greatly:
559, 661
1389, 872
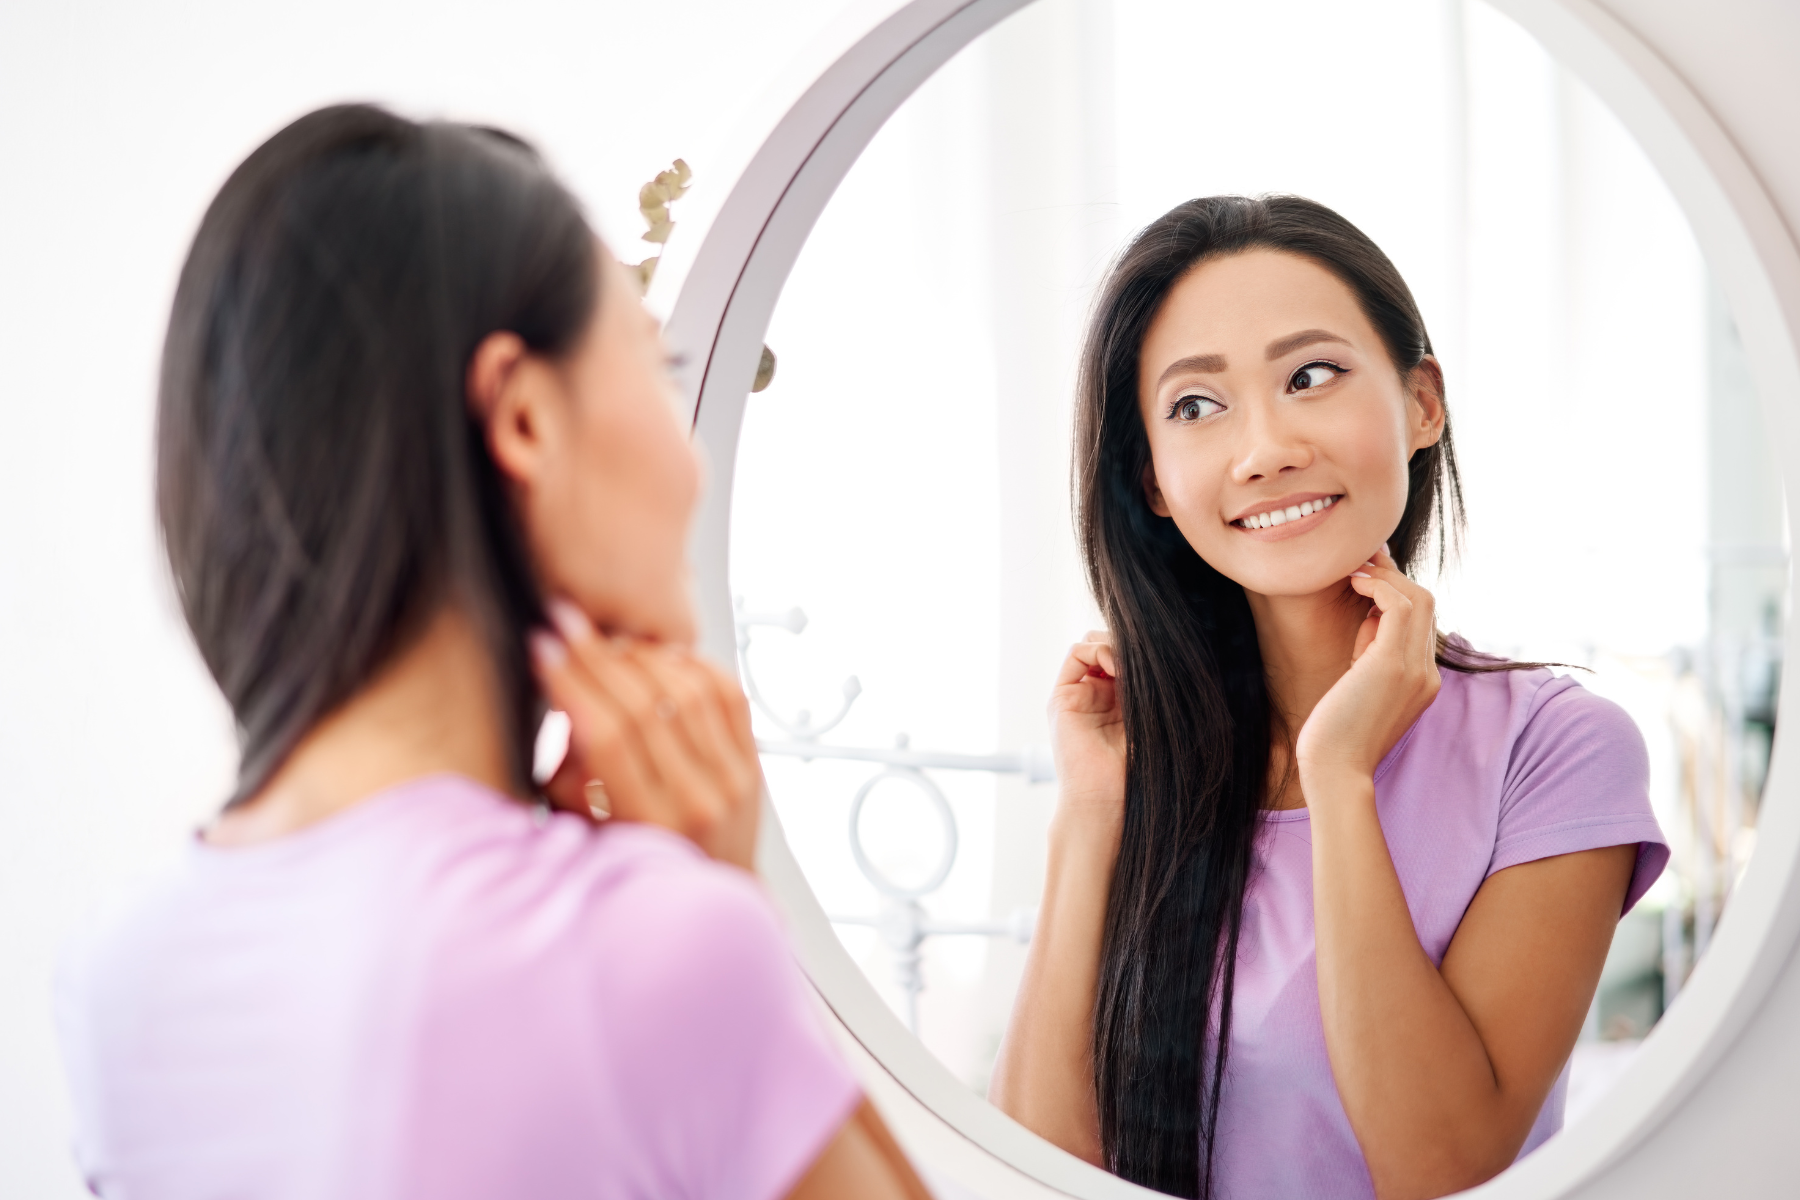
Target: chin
673, 620
1297, 579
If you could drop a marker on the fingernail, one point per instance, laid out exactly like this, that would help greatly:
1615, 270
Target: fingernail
570, 621
547, 649
1361, 575
1386, 551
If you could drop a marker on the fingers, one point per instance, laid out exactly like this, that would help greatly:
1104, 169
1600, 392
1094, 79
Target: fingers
708, 709
1090, 657
1421, 639
668, 733
603, 739
682, 697
1389, 600
566, 789
734, 704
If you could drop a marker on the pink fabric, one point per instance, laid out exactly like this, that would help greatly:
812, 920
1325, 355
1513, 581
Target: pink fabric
441, 993
1502, 769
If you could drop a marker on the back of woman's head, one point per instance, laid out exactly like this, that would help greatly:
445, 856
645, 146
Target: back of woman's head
322, 485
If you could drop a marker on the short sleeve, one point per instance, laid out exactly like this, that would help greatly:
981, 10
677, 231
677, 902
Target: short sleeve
733, 1084
1579, 779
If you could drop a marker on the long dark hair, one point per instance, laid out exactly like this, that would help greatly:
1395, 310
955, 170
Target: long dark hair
1195, 700
321, 485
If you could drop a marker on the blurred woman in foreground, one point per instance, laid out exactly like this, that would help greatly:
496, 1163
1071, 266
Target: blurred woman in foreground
413, 419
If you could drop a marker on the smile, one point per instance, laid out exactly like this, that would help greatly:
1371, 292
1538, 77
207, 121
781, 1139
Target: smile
1269, 518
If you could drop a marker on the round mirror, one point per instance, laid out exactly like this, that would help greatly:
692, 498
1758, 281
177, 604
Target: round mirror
902, 573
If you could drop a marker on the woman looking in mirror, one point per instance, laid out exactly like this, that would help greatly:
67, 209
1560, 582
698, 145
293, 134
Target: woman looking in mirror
409, 406
1328, 893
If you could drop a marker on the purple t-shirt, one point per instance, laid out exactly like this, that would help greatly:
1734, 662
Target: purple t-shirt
442, 993
1502, 769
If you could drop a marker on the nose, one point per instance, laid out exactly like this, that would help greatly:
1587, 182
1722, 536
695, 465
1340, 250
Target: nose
1269, 444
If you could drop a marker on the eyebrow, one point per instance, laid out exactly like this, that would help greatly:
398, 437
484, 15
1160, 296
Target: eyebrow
1199, 364
1214, 364
1294, 341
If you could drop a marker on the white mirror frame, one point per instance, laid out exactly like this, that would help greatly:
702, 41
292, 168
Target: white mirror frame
728, 285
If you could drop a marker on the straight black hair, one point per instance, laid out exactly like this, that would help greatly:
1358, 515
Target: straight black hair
1198, 723
322, 487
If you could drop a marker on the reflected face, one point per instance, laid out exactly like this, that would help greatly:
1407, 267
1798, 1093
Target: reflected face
1279, 428
608, 516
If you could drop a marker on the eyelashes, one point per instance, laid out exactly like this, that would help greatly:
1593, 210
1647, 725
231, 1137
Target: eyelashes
1190, 407
1320, 365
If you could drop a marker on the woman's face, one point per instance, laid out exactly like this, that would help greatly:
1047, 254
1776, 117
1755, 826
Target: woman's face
604, 477
1279, 429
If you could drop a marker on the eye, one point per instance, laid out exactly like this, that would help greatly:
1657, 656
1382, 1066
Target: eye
1314, 374
1194, 408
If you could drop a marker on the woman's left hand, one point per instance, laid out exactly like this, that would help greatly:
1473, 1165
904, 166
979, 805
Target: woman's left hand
1393, 678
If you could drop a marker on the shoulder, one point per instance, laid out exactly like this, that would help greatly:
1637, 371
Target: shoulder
624, 922
1532, 712
1564, 720
618, 893
685, 922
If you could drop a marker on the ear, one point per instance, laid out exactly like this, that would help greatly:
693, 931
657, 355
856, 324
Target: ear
1425, 413
1152, 493
507, 394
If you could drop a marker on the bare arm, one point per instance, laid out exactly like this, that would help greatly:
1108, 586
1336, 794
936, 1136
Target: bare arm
1044, 1076
863, 1161
1441, 1071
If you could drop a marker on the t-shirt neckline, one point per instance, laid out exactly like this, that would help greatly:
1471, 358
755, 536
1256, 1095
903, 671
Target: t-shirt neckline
341, 824
1386, 764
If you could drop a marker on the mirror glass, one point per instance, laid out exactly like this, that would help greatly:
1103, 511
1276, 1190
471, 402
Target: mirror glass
902, 555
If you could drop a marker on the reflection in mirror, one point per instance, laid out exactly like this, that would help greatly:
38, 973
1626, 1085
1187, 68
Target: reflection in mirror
902, 539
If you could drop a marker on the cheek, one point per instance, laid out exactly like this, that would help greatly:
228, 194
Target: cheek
1372, 456
640, 484
1192, 479
1189, 472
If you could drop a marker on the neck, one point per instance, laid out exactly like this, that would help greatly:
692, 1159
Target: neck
435, 708
1306, 644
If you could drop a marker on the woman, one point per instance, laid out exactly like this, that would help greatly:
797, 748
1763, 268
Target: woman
1328, 893
408, 407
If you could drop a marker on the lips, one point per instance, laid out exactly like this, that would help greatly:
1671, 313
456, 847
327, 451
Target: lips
1280, 514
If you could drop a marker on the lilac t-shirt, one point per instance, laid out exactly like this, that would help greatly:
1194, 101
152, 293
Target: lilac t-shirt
1502, 769
442, 993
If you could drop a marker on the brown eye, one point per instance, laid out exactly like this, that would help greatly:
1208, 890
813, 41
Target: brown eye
1313, 375
1194, 408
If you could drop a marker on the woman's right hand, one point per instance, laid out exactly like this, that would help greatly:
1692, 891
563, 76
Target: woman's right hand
666, 733
1087, 731
1043, 1076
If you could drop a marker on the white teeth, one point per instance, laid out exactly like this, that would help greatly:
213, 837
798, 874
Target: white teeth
1282, 516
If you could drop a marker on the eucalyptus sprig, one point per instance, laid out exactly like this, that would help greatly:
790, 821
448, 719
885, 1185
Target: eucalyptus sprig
654, 199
